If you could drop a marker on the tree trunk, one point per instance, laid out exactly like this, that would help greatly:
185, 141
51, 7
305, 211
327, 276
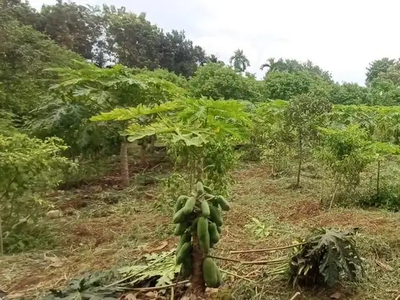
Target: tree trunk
1, 238
197, 284
378, 177
152, 143
124, 164
143, 155
300, 154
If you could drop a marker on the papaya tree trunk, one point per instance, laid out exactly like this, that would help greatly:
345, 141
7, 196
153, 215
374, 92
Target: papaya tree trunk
124, 163
300, 155
197, 284
1, 238
152, 143
143, 155
378, 175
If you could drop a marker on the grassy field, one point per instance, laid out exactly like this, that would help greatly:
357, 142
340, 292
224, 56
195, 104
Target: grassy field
109, 227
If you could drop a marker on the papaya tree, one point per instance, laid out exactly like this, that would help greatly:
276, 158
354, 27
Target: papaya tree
304, 114
271, 134
189, 127
382, 152
86, 91
346, 152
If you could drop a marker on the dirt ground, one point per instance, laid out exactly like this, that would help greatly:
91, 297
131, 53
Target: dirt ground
105, 227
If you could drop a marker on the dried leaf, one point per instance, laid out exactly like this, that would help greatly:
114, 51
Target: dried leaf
384, 266
162, 246
130, 296
336, 295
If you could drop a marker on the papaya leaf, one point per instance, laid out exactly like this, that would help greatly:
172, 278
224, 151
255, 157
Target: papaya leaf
122, 114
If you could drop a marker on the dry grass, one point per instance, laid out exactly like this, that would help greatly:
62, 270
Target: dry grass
106, 235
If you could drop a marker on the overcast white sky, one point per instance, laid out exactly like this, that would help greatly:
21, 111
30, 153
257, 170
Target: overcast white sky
340, 36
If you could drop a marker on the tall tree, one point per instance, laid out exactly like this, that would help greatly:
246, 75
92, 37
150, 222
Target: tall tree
213, 59
75, 27
349, 93
20, 11
221, 82
304, 115
184, 57
133, 40
270, 64
376, 67
285, 85
239, 61
25, 57
294, 66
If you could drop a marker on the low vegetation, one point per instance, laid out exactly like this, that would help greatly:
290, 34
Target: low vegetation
138, 167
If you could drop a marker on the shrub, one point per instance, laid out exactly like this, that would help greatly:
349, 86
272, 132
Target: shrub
27, 166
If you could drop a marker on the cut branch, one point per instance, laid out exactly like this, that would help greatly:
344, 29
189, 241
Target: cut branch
224, 258
267, 249
295, 296
153, 288
264, 262
236, 275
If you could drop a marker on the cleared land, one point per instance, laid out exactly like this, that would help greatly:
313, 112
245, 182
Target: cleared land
111, 227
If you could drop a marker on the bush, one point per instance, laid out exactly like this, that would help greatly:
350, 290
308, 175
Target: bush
221, 82
387, 198
28, 166
28, 234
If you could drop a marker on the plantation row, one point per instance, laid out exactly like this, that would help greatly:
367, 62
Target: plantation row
345, 140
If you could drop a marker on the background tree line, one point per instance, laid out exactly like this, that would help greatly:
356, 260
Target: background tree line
110, 35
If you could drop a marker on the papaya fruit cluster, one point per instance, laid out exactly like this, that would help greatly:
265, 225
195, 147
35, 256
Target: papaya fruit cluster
199, 214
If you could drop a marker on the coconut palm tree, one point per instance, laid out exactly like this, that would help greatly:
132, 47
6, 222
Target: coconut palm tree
214, 59
270, 64
239, 61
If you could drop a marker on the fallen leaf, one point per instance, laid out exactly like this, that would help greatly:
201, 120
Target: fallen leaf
151, 295
384, 266
55, 262
162, 246
15, 296
336, 295
130, 296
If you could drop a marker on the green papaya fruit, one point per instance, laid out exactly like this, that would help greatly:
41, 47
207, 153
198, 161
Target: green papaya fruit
203, 234
223, 203
219, 278
199, 188
207, 189
181, 228
189, 205
179, 216
210, 273
214, 235
180, 202
185, 238
185, 251
186, 267
205, 209
215, 215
